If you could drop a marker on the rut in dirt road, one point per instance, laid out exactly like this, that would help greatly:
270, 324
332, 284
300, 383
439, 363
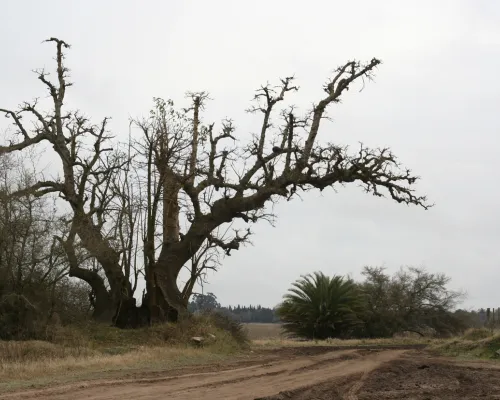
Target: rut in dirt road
247, 383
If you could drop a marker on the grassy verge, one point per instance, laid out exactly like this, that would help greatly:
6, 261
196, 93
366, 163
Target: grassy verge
95, 351
31, 374
474, 344
278, 342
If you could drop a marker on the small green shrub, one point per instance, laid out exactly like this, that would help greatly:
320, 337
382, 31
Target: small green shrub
224, 322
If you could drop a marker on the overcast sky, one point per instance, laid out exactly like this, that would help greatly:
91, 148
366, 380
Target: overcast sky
435, 102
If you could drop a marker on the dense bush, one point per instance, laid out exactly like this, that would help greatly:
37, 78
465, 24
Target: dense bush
225, 322
320, 307
412, 300
29, 314
18, 318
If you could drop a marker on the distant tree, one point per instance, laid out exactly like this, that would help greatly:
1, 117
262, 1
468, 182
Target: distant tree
411, 300
204, 302
470, 319
246, 314
319, 307
251, 313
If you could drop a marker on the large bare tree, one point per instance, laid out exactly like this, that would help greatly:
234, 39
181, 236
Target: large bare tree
189, 174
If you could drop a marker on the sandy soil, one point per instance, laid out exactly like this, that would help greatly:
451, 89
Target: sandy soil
300, 374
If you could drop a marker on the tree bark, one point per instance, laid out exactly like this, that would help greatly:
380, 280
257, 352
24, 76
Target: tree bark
120, 298
171, 190
104, 308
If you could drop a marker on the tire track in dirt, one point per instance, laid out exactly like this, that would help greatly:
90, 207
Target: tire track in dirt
352, 392
246, 383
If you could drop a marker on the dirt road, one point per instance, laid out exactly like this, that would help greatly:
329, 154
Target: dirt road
302, 374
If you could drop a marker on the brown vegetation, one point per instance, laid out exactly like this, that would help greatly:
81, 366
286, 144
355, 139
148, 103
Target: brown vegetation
259, 331
90, 349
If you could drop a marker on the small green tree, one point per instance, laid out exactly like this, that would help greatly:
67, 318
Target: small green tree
320, 307
203, 302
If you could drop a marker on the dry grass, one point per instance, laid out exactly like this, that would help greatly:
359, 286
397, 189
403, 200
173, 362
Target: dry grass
96, 351
16, 374
260, 331
477, 334
273, 343
475, 343
272, 335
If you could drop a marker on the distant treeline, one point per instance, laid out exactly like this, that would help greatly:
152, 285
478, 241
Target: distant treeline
251, 314
245, 314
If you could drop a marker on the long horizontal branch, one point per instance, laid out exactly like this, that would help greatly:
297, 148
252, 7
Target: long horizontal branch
39, 189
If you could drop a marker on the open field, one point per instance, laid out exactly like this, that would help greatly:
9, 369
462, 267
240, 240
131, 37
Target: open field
300, 373
259, 331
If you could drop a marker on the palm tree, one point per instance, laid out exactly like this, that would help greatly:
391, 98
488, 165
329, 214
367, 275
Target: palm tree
320, 307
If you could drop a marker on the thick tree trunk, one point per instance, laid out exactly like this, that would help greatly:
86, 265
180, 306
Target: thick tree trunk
169, 294
164, 298
103, 309
104, 305
163, 301
159, 309
128, 315
161, 288
171, 301
108, 257
171, 226
118, 305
